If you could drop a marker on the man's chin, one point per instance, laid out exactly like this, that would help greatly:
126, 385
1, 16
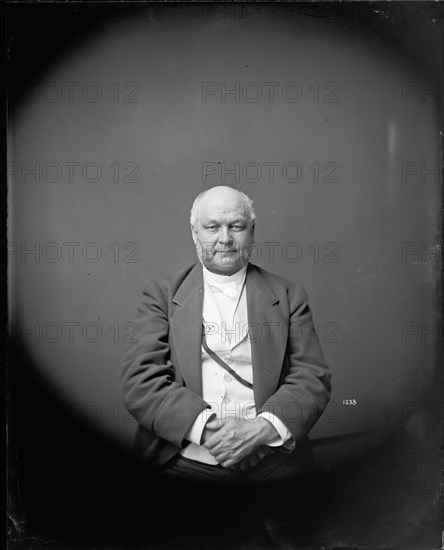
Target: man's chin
224, 267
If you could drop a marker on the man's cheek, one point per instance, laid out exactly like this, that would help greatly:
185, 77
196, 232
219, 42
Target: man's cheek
207, 249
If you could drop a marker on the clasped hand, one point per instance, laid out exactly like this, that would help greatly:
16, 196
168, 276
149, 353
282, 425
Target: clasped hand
238, 443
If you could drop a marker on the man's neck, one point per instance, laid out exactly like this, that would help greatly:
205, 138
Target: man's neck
221, 275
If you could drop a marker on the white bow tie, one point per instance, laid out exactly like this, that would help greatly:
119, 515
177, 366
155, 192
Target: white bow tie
228, 288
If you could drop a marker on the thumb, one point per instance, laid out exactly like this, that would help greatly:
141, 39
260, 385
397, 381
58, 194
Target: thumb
214, 424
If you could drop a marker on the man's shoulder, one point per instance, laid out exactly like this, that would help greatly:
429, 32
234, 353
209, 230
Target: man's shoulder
173, 278
278, 283
272, 278
170, 282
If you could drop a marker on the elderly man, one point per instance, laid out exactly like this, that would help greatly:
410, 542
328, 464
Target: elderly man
227, 376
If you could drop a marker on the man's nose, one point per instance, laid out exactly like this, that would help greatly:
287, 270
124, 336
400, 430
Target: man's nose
224, 236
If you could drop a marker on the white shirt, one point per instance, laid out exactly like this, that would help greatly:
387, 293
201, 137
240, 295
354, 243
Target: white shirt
226, 325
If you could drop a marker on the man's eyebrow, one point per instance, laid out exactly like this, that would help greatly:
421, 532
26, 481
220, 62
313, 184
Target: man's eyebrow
240, 218
236, 220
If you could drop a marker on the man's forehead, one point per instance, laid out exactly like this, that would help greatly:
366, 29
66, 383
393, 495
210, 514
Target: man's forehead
223, 206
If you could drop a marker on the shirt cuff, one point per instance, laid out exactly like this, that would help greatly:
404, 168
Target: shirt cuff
194, 434
283, 437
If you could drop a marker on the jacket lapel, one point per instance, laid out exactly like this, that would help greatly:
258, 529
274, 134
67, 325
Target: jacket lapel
266, 324
186, 328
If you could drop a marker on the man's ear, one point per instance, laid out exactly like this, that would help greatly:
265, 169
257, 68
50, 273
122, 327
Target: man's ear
193, 234
252, 230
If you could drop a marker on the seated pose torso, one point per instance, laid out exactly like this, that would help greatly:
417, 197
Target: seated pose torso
226, 367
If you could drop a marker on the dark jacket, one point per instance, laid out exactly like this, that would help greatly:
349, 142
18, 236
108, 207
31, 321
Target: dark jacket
161, 379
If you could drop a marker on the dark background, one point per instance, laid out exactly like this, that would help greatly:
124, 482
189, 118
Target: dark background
378, 476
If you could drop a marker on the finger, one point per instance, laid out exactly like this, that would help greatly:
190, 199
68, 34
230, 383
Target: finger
244, 465
254, 459
264, 451
216, 444
213, 441
214, 424
221, 455
261, 453
217, 438
228, 463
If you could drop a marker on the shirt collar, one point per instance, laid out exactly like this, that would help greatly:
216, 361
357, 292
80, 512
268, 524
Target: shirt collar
237, 277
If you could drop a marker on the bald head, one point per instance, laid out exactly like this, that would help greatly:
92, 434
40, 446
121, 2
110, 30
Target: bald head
222, 197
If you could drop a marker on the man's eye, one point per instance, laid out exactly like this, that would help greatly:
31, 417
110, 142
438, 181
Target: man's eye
238, 227
211, 227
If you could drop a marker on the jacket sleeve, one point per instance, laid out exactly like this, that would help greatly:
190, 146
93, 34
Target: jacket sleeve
304, 390
149, 389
